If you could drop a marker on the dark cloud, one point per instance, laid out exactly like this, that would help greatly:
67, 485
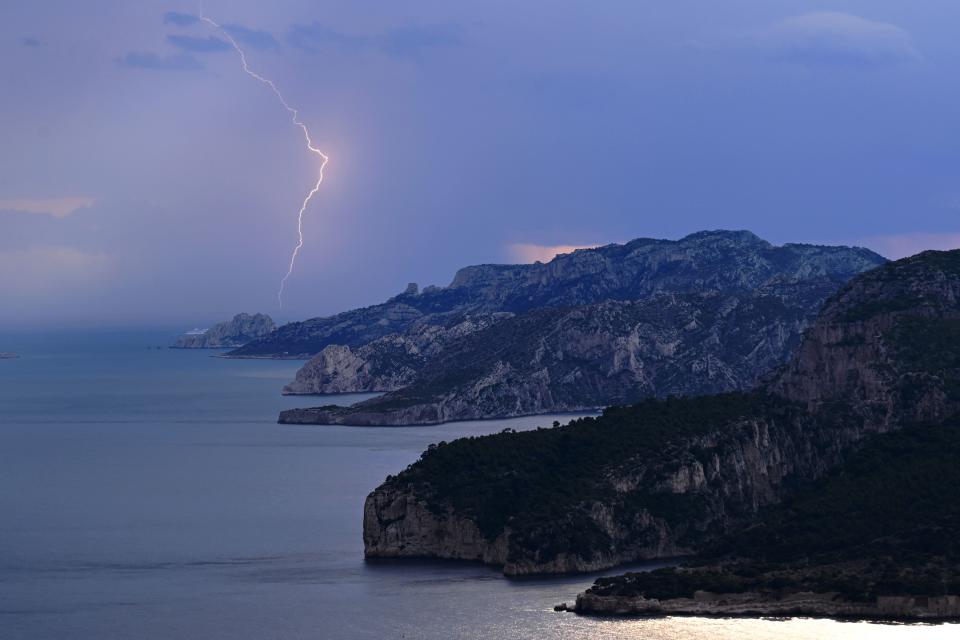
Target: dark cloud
311, 37
210, 44
256, 38
412, 42
400, 42
30, 41
155, 62
180, 19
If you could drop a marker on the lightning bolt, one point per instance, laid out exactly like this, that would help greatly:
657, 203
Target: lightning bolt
295, 117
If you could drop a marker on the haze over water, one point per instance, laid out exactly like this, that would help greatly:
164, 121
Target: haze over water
148, 493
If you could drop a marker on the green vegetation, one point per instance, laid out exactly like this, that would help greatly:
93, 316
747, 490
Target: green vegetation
542, 482
871, 308
890, 287
929, 346
899, 495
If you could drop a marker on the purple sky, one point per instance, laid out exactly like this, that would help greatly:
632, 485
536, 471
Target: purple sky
144, 179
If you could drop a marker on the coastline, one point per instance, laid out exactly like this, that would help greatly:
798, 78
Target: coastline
592, 411
227, 356
830, 605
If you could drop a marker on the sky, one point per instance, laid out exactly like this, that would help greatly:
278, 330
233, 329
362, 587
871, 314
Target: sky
146, 180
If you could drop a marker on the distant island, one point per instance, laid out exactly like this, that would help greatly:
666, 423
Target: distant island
8, 355
236, 332
831, 489
708, 313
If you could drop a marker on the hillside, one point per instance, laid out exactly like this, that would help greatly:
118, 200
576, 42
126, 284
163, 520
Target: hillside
669, 477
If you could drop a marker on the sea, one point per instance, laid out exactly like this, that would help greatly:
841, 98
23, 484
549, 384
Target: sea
148, 492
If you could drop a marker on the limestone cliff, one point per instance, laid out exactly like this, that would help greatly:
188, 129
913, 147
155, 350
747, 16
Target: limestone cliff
553, 360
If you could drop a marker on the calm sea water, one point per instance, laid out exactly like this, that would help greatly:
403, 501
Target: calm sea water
148, 493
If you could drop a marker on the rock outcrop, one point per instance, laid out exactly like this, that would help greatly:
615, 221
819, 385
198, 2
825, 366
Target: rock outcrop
385, 364
233, 333
663, 478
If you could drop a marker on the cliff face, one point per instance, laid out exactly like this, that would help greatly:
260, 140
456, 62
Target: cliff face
385, 364
581, 358
714, 261
663, 478
650, 505
236, 332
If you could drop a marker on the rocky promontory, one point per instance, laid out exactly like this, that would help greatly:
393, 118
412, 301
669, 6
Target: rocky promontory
233, 333
385, 364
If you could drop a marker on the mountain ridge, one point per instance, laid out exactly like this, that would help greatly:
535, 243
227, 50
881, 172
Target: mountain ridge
629, 271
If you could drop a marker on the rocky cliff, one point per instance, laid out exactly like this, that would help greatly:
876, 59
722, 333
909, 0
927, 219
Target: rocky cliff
236, 332
553, 360
602, 492
709, 261
667, 477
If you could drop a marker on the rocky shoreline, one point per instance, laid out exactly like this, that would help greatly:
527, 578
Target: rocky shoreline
754, 604
329, 416
229, 356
